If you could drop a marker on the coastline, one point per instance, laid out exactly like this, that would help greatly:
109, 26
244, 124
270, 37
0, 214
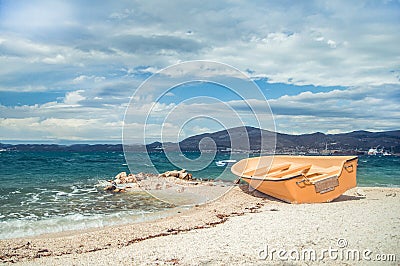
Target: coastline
234, 229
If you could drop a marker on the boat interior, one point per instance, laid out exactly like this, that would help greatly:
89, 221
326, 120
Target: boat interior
277, 169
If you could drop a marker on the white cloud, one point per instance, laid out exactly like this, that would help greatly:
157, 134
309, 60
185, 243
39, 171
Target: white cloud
80, 79
140, 133
53, 129
58, 59
36, 15
331, 43
83, 78
122, 14
278, 41
73, 98
368, 108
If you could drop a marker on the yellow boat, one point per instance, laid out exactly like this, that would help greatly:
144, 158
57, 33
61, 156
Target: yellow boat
299, 179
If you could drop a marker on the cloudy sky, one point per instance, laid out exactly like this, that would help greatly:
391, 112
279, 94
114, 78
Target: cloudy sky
69, 68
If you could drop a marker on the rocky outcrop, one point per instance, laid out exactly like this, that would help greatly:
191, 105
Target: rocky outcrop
122, 178
182, 174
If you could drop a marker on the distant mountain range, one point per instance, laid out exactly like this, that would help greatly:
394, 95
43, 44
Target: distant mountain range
353, 142
346, 142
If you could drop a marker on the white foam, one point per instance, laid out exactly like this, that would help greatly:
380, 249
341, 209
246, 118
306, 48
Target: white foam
62, 193
29, 227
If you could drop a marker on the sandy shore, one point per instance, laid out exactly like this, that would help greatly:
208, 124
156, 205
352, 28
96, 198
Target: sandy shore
239, 228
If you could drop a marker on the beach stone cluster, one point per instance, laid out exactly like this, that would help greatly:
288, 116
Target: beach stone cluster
123, 178
182, 174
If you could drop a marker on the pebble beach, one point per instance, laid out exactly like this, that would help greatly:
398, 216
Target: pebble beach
241, 227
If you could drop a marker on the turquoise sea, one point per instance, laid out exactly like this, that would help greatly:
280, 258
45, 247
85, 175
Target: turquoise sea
43, 192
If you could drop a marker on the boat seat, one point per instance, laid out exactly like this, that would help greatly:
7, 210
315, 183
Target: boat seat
292, 170
297, 169
323, 176
279, 167
267, 169
318, 171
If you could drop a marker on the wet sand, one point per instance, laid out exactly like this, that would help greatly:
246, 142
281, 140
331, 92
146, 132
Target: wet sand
238, 228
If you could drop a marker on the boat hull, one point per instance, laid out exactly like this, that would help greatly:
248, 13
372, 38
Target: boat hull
314, 179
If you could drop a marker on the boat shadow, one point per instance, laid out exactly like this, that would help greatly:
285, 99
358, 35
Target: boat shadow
255, 193
347, 198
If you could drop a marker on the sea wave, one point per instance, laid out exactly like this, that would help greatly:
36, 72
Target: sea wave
28, 226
